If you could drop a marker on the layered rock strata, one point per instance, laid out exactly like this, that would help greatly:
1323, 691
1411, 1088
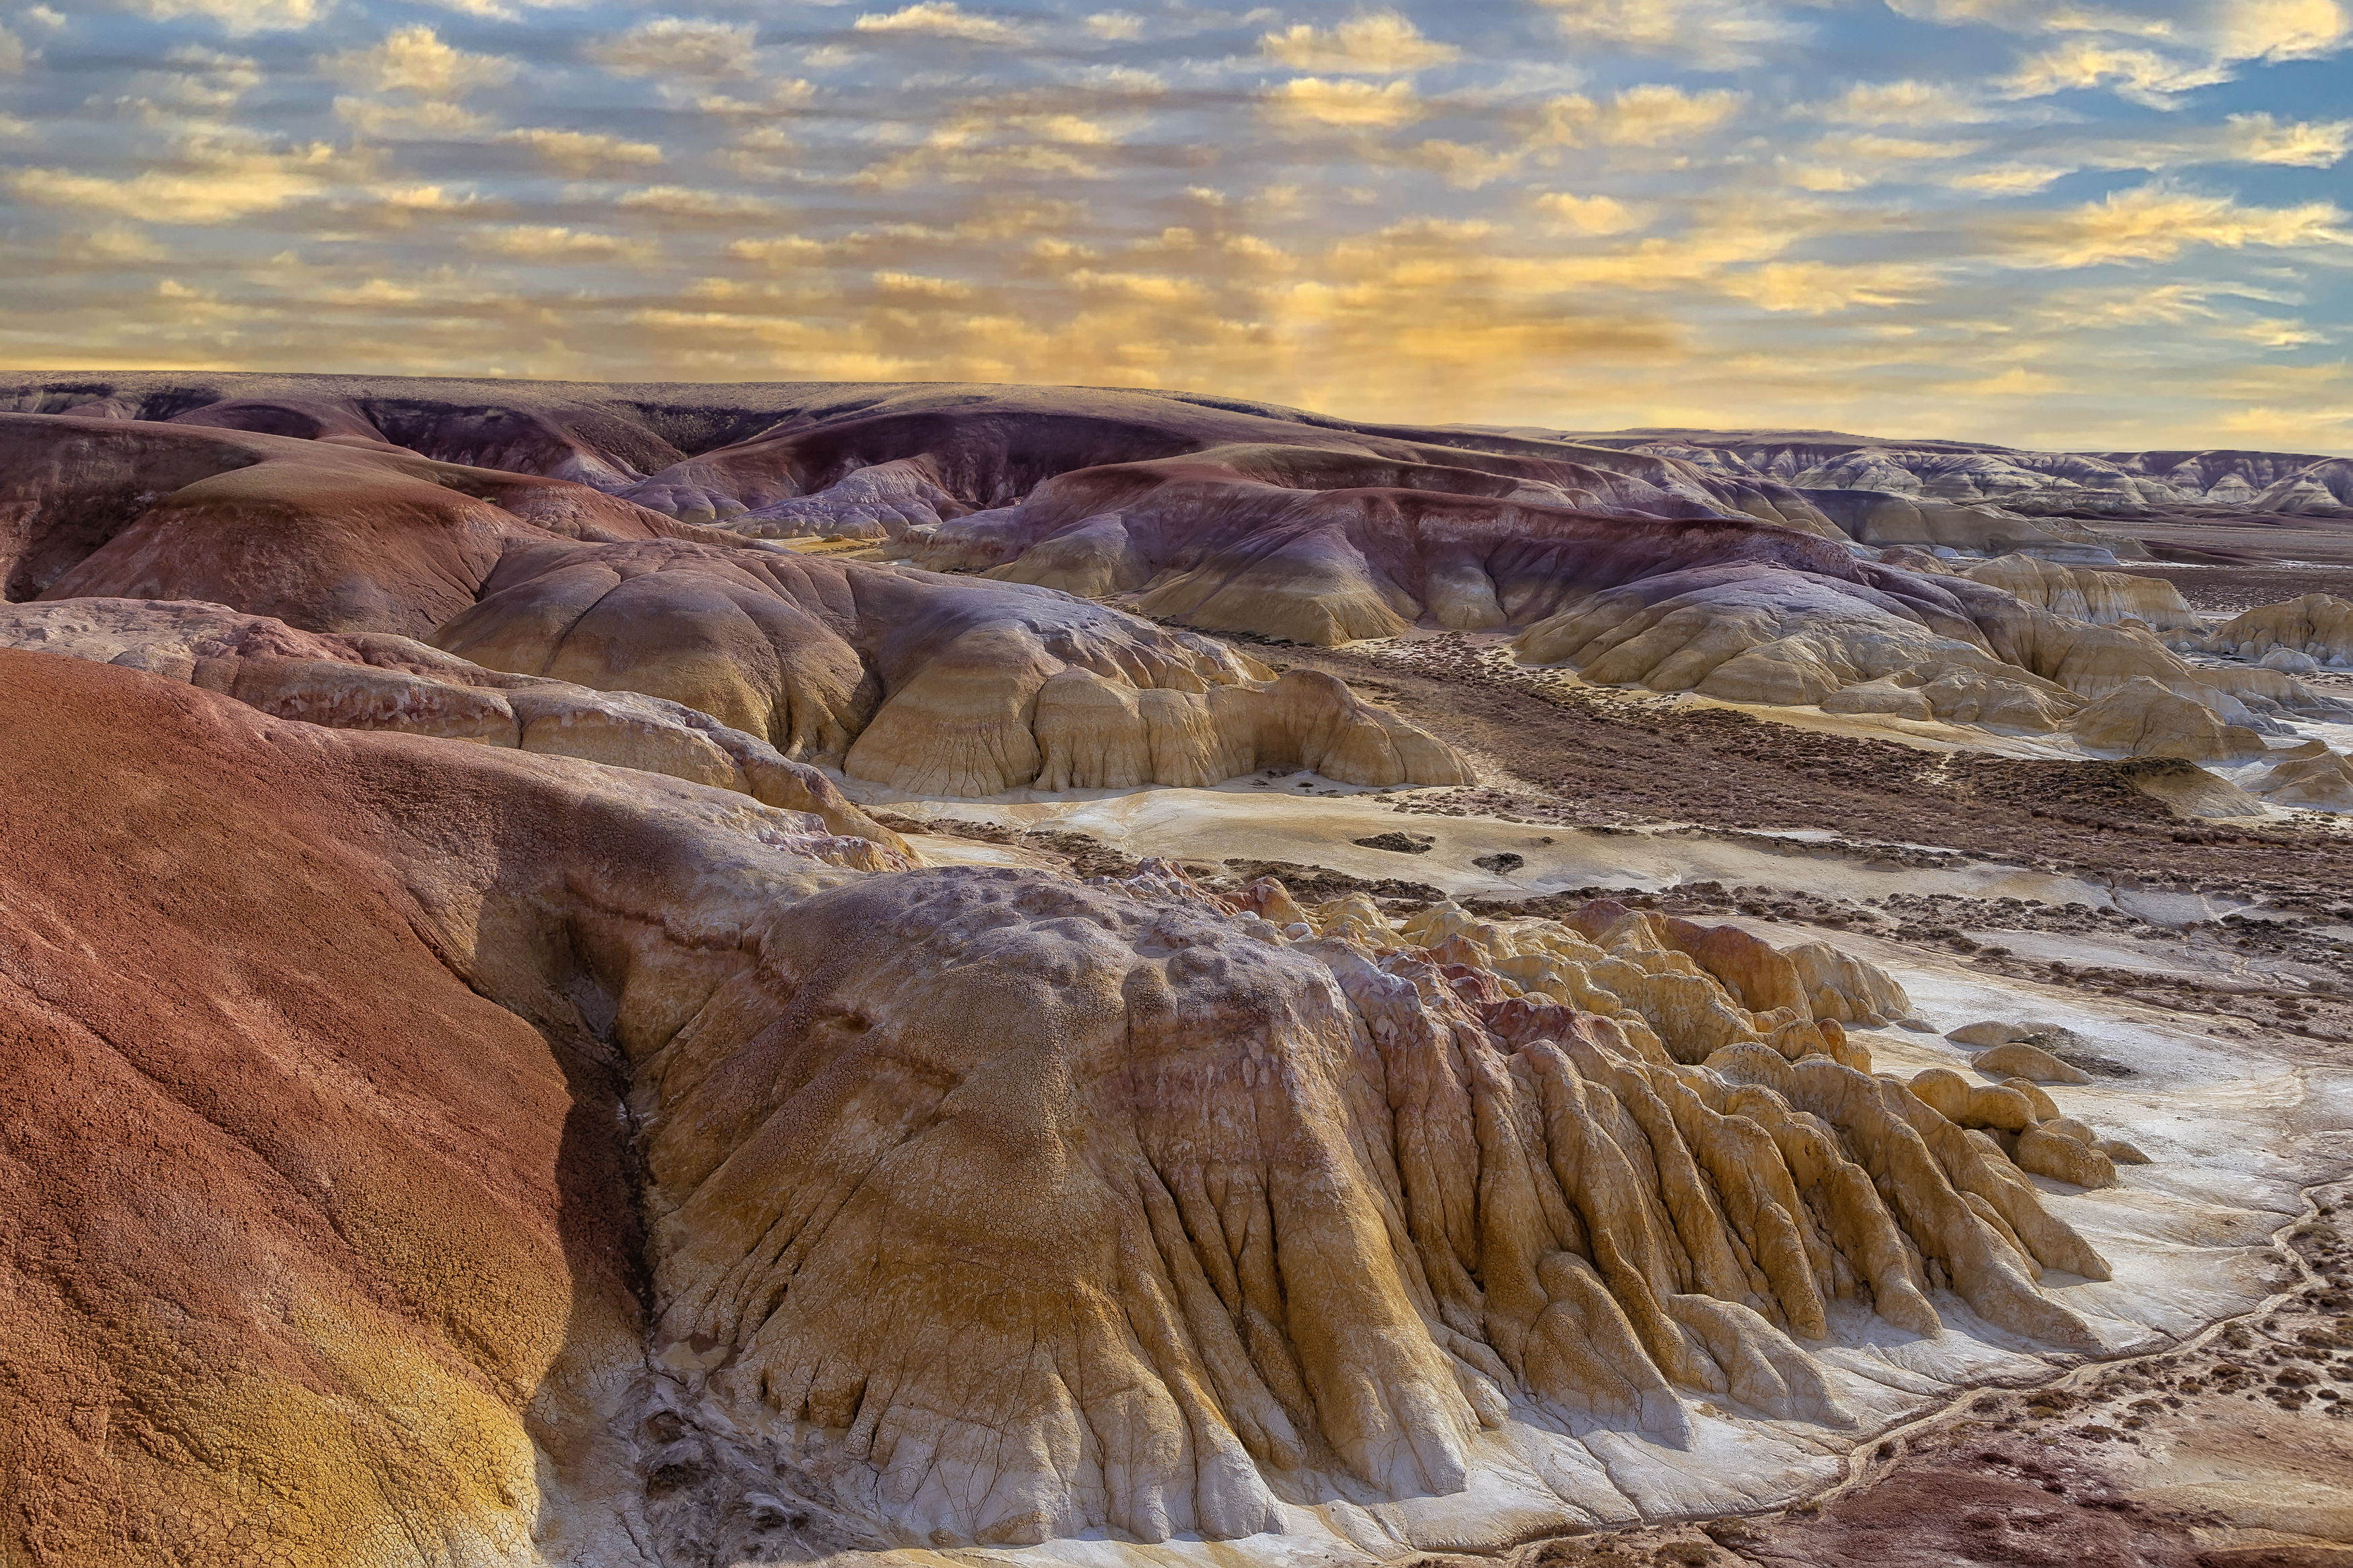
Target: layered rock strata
922, 683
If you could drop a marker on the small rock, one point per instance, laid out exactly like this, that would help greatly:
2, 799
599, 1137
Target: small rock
1395, 843
2018, 1059
1989, 1032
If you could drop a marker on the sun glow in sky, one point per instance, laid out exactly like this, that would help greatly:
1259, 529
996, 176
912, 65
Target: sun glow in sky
2099, 225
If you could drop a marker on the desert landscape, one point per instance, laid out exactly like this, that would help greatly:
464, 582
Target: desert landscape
599, 973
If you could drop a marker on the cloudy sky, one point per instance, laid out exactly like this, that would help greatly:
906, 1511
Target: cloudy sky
2098, 226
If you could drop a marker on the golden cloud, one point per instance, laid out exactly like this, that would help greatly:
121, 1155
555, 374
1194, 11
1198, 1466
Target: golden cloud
554, 242
682, 201
415, 60
2302, 428
212, 188
2155, 223
1592, 215
584, 152
1353, 105
1381, 44
237, 18
2284, 29
941, 19
2007, 179
2259, 138
1908, 103
1819, 288
916, 286
1651, 115
1711, 33
677, 47
2143, 75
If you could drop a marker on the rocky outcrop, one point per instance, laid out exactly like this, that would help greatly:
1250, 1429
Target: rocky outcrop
326, 534
2143, 719
2104, 598
1447, 1203
2324, 782
379, 681
2318, 626
1919, 646
922, 682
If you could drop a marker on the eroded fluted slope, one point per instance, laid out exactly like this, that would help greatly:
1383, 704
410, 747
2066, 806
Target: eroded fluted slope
1055, 1207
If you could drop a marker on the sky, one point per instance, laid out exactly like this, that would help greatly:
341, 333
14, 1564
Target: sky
2094, 226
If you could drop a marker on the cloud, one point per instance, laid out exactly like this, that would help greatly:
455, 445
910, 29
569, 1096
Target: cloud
2015, 382
204, 82
941, 19
1906, 103
2144, 76
1155, 288
1710, 34
2284, 29
2010, 179
2158, 223
915, 285
584, 152
677, 45
1466, 167
2303, 428
1115, 26
1853, 161
414, 59
680, 201
1355, 105
12, 53
2259, 138
213, 187
1592, 215
553, 242
1651, 115
1381, 44
239, 17
424, 120
498, 11
1819, 288
2154, 60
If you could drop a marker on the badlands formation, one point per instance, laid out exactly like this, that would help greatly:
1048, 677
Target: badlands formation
662, 975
